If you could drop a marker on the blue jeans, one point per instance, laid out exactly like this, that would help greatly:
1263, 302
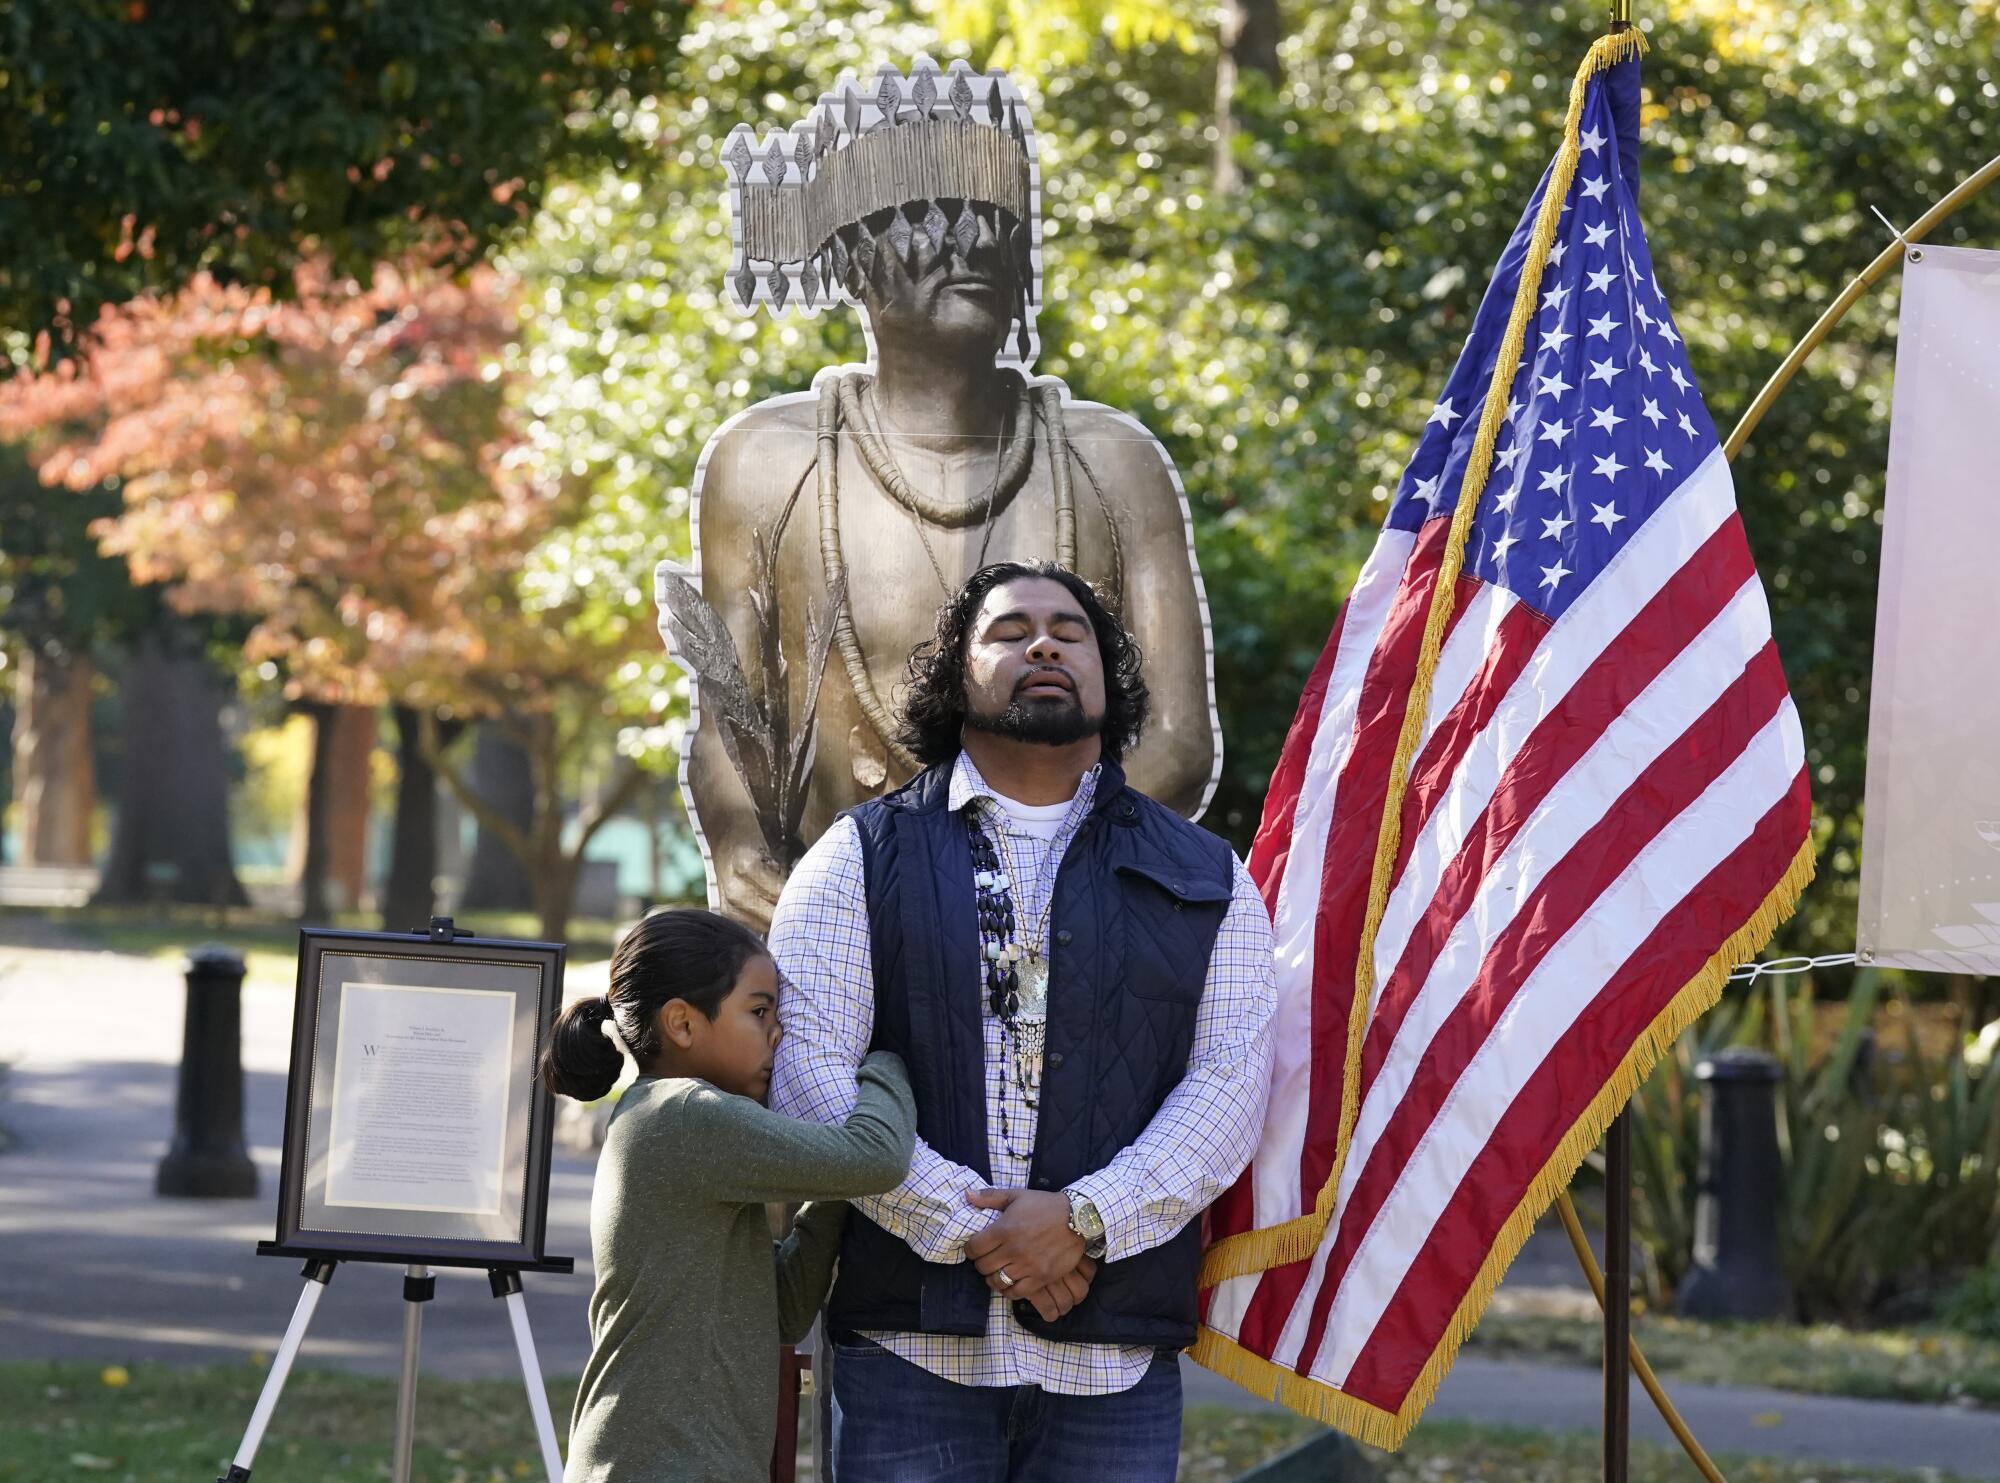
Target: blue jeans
895, 1422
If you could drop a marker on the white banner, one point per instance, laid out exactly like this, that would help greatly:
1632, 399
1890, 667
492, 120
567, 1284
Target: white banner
1930, 863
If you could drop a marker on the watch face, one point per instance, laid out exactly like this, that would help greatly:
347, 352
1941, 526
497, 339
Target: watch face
1085, 1220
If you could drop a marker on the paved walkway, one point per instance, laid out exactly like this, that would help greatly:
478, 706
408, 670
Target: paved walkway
94, 1267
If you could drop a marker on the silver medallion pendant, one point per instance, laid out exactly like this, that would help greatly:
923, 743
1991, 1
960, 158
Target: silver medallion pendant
1031, 977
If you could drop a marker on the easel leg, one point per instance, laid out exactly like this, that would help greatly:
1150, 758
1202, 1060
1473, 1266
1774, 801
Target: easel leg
1617, 1298
317, 1275
419, 1287
506, 1285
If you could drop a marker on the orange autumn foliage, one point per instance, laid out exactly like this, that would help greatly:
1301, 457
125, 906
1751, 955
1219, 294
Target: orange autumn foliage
342, 467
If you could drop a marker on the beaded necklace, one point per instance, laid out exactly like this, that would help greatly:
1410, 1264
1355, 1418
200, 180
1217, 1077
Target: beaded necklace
1016, 972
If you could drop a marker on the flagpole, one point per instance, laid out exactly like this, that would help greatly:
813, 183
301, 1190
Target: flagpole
1617, 1302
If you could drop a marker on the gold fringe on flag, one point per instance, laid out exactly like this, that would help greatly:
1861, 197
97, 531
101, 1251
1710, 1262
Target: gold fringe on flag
1379, 1427
1296, 1240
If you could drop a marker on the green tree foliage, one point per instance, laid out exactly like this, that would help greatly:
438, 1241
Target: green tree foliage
1286, 341
145, 142
56, 589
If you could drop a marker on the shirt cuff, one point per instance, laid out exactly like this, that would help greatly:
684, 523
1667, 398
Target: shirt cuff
935, 1224
1118, 1205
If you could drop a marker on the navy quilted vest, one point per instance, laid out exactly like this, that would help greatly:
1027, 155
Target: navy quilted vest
1140, 896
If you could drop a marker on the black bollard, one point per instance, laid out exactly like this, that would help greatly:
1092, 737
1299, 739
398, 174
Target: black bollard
1736, 1272
207, 1159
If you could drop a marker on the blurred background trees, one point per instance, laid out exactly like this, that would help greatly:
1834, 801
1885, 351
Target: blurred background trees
144, 143
1267, 226
358, 358
249, 154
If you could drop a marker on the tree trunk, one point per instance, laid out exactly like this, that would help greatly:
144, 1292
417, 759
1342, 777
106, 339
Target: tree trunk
331, 862
171, 839
55, 783
550, 866
1251, 30
409, 897
347, 805
555, 893
497, 879
309, 859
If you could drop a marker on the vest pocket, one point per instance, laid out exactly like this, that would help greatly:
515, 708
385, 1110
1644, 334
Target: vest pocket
1171, 919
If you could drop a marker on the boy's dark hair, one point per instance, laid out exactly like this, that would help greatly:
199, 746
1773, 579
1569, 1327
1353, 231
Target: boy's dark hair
933, 711
682, 953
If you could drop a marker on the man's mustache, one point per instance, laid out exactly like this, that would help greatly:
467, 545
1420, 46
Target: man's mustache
1047, 671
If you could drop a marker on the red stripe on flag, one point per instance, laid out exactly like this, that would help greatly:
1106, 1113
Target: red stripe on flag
1671, 783
1520, 633
1583, 1061
1272, 848
1271, 855
1343, 891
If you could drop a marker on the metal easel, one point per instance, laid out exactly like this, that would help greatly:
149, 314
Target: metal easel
419, 1287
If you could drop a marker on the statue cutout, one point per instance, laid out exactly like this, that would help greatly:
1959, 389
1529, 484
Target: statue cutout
830, 524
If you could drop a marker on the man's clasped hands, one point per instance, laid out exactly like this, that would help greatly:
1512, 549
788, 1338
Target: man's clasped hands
1028, 1252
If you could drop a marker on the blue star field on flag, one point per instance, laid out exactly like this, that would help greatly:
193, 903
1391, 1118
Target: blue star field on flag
1604, 420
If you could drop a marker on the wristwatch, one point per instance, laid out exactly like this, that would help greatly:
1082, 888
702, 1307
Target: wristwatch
1087, 1223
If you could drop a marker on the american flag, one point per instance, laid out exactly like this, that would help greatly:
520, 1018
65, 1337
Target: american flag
1603, 806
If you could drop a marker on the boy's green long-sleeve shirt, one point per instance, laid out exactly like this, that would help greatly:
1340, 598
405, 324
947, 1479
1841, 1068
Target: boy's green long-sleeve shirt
690, 1306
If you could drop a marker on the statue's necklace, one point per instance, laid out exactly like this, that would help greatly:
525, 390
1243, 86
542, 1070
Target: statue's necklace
1012, 473
1023, 412
839, 400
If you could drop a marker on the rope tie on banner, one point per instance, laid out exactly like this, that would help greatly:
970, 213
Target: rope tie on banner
1915, 253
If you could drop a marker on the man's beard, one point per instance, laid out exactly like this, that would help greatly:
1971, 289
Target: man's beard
1045, 723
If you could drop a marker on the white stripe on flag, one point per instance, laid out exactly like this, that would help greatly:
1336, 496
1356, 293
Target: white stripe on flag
1561, 986
1275, 1173
1464, 654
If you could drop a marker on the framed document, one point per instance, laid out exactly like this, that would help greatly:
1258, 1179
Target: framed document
416, 1127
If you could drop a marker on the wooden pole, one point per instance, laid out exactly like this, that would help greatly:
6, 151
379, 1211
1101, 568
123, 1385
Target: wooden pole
1617, 1298
1580, 1244
785, 1450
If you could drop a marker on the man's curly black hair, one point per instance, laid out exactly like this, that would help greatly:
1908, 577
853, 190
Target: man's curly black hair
933, 709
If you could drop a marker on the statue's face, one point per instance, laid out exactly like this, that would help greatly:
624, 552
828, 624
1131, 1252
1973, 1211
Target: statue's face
1033, 671
958, 302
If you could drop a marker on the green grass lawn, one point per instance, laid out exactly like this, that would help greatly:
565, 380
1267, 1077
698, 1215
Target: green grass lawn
1929, 1365
270, 944
61, 1422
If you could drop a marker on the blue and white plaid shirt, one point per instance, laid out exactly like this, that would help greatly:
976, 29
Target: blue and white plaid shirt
1199, 1141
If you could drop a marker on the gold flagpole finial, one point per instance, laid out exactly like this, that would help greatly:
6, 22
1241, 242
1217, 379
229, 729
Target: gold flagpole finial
1621, 15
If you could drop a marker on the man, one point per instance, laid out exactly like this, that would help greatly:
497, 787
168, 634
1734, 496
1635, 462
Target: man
899, 477
1080, 981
